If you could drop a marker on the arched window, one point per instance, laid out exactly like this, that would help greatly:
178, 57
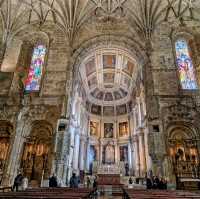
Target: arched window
33, 80
185, 66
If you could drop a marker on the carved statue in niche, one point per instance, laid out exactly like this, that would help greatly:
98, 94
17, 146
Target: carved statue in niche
108, 130
109, 154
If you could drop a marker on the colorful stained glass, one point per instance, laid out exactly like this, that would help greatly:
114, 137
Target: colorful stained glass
185, 66
35, 72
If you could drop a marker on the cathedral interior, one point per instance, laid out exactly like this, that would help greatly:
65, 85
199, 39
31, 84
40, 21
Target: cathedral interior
100, 87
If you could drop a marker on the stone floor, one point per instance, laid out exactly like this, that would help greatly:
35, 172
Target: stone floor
109, 197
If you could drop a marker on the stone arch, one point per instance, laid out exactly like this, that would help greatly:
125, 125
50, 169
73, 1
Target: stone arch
182, 142
37, 155
129, 45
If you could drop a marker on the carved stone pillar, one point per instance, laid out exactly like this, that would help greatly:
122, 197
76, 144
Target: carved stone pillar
16, 151
76, 149
136, 155
82, 153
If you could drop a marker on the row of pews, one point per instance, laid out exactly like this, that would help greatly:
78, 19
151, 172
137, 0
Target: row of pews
56, 193
158, 194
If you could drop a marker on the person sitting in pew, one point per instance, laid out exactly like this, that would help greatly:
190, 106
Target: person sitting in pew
74, 181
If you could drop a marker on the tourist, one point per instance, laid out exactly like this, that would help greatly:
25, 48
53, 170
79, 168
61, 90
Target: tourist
24, 183
53, 181
130, 181
161, 184
17, 182
95, 182
155, 182
88, 182
74, 181
148, 183
165, 184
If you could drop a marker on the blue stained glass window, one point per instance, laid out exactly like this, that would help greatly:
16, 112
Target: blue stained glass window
185, 66
35, 71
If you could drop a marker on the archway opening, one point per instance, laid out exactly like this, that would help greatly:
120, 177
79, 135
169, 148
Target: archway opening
106, 91
184, 155
37, 153
6, 130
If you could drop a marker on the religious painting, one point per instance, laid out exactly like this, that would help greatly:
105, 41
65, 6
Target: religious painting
108, 78
123, 129
108, 110
123, 150
95, 109
108, 155
108, 97
94, 128
185, 66
121, 110
33, 81
117, 95
100, 95
108, 130
109, 61
128, 66
90, 67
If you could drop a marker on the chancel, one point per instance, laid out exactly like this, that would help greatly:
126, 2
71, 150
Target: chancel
102, 95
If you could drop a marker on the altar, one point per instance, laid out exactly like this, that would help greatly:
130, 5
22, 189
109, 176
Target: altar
108, 169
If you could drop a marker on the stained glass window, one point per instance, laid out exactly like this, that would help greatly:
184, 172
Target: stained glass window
35, 72
185, 66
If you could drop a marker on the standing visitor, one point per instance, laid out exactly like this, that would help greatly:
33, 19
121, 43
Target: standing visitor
74, 181
53, 181
17, 182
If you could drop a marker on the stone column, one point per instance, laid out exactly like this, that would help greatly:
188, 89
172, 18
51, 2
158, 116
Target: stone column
136, 154
87, 152
76, 149
116, 152
16, 151
130, 156
142, 153
100, 151
82, 153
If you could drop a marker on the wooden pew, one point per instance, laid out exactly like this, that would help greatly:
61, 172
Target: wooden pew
158, 194
40, 193
4, 189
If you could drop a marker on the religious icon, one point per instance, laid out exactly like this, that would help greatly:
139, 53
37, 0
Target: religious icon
109, 154
93, 128
123, 129
123, 153
108, 130
109, 61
